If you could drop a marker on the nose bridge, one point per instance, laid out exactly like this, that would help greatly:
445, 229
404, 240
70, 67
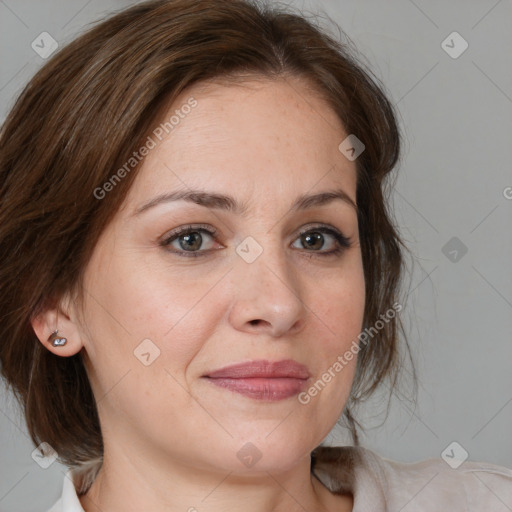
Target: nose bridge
266, 290
264, 261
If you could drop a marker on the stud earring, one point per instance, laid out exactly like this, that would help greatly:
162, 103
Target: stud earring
56, 340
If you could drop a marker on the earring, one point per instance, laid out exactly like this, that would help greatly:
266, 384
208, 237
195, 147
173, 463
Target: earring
56, 340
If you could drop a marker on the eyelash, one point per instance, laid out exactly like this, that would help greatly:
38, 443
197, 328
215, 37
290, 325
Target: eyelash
342, 242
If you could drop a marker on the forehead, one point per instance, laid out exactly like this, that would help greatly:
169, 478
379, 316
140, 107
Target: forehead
278, 135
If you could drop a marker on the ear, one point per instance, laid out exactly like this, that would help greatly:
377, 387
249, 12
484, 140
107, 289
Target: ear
63, 319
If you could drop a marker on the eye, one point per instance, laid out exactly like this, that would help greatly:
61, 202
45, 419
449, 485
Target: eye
191, 240
316, 238
188, 240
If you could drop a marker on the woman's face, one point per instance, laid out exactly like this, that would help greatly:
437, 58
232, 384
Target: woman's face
165, 310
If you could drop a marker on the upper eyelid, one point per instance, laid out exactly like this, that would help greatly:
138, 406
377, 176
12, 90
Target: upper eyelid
211, 230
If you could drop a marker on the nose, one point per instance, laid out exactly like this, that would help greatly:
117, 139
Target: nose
266, 296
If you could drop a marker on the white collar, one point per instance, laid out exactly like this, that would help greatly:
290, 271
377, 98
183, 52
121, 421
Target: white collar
69, 501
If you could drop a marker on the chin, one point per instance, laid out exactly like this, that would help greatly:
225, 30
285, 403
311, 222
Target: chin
265, 453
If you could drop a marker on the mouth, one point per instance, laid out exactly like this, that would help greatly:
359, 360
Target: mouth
262, 379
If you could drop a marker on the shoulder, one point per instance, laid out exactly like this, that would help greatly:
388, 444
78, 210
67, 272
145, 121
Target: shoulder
427, 485
470, 486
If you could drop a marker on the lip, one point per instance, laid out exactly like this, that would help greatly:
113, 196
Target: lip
262, 379
287, 368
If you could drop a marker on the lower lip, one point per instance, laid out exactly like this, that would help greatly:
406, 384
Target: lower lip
262, 388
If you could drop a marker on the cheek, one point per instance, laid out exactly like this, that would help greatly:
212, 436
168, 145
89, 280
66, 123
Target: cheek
142, 345
129, 301
339, 315
341, 300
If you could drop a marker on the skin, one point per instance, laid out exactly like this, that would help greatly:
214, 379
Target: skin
171, 437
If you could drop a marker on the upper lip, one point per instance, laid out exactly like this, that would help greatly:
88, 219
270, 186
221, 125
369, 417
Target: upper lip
287, 368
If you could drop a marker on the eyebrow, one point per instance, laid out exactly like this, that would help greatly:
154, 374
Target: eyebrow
229, 203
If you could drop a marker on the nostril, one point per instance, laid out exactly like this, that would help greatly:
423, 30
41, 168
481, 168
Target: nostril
254, 322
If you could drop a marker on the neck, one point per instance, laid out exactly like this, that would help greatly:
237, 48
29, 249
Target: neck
127, 483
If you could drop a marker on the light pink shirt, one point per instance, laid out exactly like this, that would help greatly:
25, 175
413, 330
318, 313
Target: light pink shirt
383, 485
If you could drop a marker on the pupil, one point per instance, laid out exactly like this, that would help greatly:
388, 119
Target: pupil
192, 241
315, 237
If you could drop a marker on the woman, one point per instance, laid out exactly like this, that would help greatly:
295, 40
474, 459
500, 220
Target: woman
199, 185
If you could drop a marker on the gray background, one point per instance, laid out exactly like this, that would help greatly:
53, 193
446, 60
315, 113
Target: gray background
457, 115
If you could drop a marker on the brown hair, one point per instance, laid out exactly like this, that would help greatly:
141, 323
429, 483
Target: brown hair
82, 116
